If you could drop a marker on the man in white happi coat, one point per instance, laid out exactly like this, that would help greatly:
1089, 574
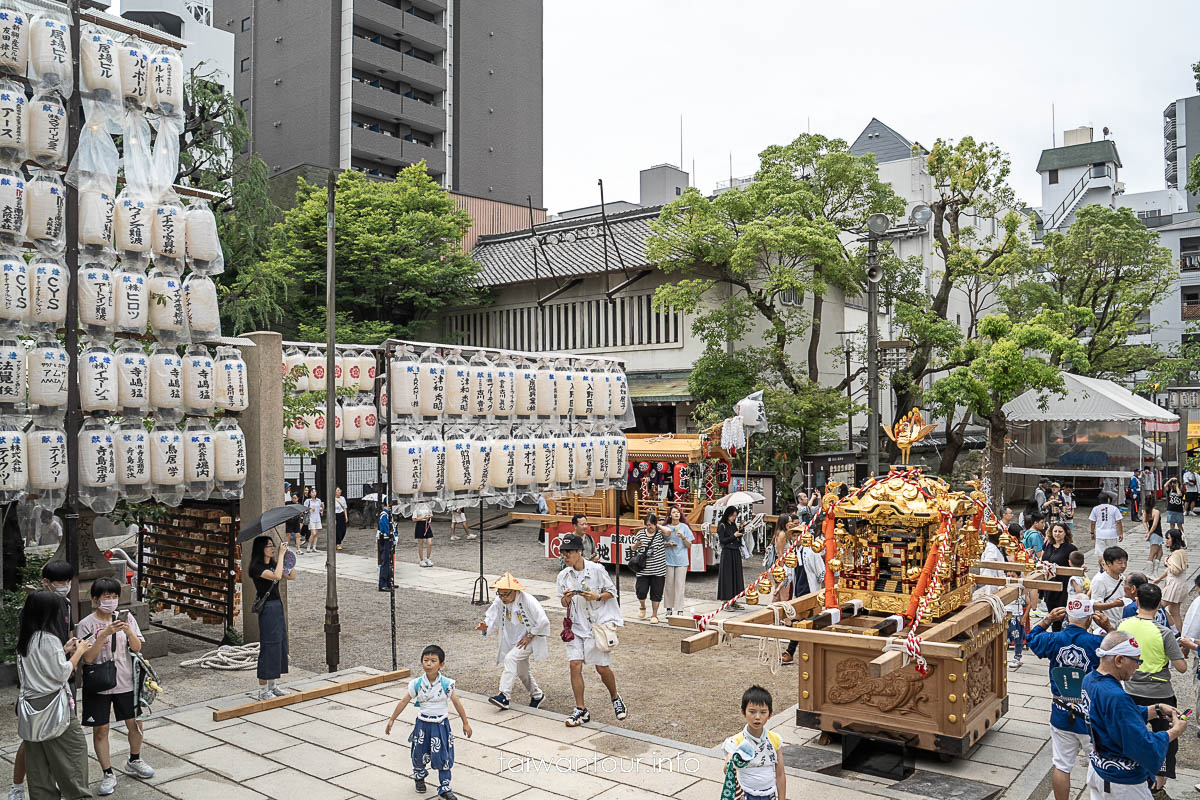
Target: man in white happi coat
522, 627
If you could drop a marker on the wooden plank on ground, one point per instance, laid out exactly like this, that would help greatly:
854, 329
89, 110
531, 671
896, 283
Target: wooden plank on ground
309, 694
698, 642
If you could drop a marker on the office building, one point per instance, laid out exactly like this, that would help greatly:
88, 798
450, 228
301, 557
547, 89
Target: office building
377, 85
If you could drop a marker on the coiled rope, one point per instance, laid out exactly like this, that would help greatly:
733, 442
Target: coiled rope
227, 657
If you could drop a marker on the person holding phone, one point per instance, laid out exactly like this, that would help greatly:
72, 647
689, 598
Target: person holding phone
266, 570
730, 581
114, 638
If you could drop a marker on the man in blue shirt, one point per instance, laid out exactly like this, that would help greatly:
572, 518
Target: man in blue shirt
1126, 756
1034, 539
386, 549
1132, 582
1072, 647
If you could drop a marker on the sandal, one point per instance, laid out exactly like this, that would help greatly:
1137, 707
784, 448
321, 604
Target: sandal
642, 613
654, 620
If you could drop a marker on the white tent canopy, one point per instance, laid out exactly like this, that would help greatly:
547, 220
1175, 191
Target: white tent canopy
1086, 400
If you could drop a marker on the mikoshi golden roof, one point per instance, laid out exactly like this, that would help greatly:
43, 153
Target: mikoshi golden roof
897, 498
669, 447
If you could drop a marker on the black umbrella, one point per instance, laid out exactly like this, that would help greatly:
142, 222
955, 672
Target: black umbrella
271, 519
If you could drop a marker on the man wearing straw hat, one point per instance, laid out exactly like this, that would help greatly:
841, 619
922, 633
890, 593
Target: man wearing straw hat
522, 624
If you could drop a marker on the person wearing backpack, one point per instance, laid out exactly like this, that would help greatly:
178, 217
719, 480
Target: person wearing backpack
108, 680
1034, 538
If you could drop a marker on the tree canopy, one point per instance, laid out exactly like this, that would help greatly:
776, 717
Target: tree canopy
398, 250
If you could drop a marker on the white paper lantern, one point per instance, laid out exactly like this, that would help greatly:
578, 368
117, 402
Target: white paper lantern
585, 457
48, 459
527, 460
406, 459
14, 290
203, 244
198, 389
404, 377
339, 422
352, 420
49, 293
564, 387
616, 455
316, 427
546, 467
203, 310
132, 450
502, 471
166, 457
168, 316
12, 372
481, 394
98, 57
481, 460
620, 394
433, 466
131, 223
97, 296
12, 111
97, 457
231, 452
602, 392
50, 51
132, 304
365, 372
12, 203
504, 390
458, 386
564, 468
14, 460
133, 378
166, 83
45, 202
97, 380
14, 40
546, 390
134, 64
198, 454
233, 393
600, 471
293, 361
48, 365
583, 399
47, 130
460, 464
296, 432
525, 390
168, 232
433, 385
96, 217
314, 362
166, 380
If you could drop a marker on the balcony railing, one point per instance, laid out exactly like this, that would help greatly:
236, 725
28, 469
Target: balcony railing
1169, 149
1189, 262
1189, 311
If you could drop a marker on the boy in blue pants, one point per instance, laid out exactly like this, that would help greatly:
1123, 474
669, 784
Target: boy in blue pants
431, 742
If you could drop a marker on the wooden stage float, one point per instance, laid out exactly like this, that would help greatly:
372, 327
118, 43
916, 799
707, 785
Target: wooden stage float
896, 550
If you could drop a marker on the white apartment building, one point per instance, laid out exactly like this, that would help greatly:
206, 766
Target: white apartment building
192, 21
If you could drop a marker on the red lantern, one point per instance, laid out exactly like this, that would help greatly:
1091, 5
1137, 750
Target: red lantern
683, 479
724, 472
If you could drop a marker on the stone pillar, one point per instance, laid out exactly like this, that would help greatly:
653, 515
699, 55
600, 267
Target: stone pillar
262, 423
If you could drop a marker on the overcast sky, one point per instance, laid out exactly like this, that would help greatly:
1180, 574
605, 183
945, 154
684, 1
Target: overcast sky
748, 74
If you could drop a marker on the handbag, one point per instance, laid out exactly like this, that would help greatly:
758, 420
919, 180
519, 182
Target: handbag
101, 675
261, 602
44, 717
637, 559
604, 634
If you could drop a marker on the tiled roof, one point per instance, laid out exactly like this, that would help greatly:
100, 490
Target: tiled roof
576, 248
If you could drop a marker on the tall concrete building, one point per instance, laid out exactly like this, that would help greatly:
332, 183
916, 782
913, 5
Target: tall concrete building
1181, 144
377, 85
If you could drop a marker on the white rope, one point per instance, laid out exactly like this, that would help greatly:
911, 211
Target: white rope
227, 657
770, 650
897, 644
992, 600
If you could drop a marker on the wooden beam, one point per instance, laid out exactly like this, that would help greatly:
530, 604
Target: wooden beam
1017, 566
962, 621
1029, 583
805, 606
852, 640
523, 515
701, 641
309, 694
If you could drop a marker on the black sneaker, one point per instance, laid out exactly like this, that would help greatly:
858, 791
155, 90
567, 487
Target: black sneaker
619, 708
421, 787
578, 717
536, 700
448, 795
500, 701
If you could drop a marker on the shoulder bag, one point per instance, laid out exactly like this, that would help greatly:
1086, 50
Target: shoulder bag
42, 718
637, 559
261, 602
101, 675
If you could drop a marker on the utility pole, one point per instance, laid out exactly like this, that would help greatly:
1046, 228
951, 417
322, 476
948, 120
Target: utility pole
333, 625
873, 276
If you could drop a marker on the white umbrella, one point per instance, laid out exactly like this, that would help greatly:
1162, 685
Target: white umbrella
738, 499
373, 497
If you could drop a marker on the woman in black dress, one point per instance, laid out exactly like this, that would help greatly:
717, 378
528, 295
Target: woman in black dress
1058, 551
267, 571
730, 582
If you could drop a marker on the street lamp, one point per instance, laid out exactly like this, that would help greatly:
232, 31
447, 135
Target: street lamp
877, 227
849, 392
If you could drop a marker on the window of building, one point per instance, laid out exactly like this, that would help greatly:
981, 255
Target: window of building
1053, 176
244, 103
245, 65
245, 24
678, 191
790, 297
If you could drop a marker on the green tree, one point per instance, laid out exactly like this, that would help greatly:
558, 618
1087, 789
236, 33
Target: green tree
1110, 264
398, 251
214, 155
1006, 359
970, 182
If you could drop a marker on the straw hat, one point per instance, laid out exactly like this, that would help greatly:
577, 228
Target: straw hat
508, 582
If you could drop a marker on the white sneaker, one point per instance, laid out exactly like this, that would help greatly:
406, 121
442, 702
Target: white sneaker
108, 784
139, 768
455, 538
472, 536
429, 562
17, 792
277, 692
264, 694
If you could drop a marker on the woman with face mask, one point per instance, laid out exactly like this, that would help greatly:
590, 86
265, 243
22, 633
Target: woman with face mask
113, 638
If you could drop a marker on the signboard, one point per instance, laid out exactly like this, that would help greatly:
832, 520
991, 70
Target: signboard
821, 468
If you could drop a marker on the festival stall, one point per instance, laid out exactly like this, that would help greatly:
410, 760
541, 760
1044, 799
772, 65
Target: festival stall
1091, 437
893, 648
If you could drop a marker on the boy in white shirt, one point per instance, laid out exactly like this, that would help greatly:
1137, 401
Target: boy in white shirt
522, 625
1107, 527
1108, 586
755, 764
